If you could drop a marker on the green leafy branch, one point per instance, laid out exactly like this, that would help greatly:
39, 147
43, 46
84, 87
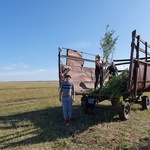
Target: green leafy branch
114, 88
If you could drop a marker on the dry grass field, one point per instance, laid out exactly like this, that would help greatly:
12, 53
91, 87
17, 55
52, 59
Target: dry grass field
31, 119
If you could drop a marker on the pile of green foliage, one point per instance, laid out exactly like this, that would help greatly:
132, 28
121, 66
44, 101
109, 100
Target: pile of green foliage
114, 88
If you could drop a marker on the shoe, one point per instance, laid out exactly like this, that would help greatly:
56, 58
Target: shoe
69, 121
65, 121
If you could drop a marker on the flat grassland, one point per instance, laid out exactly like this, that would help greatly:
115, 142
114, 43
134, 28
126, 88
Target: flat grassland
31, 118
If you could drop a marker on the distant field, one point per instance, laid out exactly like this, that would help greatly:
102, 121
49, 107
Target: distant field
31, 119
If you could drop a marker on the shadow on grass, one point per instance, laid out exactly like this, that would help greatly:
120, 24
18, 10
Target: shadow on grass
47, 125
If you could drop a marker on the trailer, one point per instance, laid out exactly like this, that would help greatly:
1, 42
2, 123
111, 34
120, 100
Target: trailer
84, 77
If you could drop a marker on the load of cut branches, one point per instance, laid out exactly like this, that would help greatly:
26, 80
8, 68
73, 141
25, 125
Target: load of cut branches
114, 88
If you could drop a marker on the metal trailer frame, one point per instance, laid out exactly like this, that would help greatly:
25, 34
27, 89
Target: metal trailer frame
138, 81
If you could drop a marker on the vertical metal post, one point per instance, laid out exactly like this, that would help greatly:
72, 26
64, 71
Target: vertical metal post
145, 66
59, 51
146, 51
131, 59
136, 66
67, 55
137, 48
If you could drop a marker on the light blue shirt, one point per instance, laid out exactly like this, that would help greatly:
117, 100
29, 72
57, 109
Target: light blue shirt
67, 88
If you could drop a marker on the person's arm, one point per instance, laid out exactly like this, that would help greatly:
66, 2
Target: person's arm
116, 70
60, 96
73, 96
73, 92
108, 69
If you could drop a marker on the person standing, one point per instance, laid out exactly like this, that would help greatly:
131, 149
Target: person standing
67, 97
98, 72
112, 70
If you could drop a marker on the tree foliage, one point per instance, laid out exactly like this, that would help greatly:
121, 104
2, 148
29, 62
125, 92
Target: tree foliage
108, 43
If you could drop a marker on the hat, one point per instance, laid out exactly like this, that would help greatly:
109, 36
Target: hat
67, 76
97, 56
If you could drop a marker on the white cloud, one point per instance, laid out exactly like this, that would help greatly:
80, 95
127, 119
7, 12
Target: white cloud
13, 66
32, 75
24, 66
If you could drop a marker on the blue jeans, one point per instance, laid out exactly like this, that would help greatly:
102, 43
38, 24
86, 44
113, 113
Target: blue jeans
67, 108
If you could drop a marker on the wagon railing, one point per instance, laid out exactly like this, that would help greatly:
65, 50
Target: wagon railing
139, 67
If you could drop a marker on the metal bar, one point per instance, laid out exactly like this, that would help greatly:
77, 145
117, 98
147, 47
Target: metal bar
59, 66
144, 58
143, 82
145, 75
141, 49
76, 58
138, 47
131, 60
78, 51
146, 50
136, 66
148, 45
135, 35
142, 41
135, 77
116, 60
140, 60
124, 63
120, 70
67, 58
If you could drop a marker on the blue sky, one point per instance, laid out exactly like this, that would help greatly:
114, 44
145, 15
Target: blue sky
32, 30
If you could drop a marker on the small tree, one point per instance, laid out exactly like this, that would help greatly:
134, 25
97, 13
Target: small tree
108, 44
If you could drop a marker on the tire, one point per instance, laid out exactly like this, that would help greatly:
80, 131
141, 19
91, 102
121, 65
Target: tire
114, 102
124, 112
87, 108
84, 104
90, 108
145, 102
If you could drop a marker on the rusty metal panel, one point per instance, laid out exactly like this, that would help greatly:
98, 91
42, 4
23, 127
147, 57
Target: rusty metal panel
143, 76
74, 54
82, 77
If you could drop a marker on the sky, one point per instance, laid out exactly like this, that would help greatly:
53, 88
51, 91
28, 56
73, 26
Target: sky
32, 30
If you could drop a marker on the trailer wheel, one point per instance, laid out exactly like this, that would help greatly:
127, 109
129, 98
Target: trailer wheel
145, 102
124, 113
114, 102
90, 108
84, 103
87, 108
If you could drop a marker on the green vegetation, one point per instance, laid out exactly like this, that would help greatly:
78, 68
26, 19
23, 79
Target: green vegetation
114, 88
31, 118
